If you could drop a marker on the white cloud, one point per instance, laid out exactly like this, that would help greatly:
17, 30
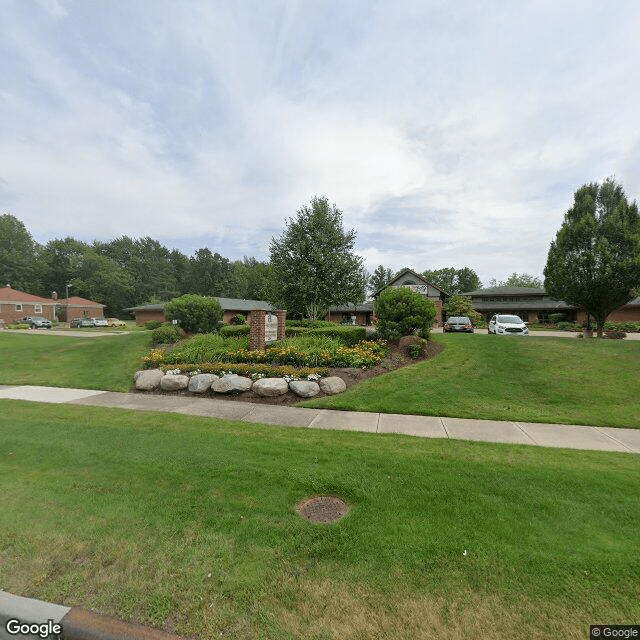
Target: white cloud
448, 134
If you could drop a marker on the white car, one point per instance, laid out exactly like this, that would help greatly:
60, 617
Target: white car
503, 325
99, 322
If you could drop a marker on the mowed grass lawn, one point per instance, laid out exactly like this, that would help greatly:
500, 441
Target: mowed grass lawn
189, 524
534, 379
107, 362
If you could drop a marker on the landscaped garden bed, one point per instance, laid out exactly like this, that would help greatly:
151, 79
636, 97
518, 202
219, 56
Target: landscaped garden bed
303, 357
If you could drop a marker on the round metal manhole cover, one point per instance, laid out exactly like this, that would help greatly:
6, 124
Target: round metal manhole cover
323, 509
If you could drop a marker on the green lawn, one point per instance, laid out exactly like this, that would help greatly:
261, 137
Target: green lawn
105, 363
569, 381
189, 523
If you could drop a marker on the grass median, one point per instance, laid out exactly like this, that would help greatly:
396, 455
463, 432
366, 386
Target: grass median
594, 382
189, 524
107, 362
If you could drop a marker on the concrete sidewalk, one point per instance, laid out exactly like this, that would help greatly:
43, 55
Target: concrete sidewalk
545, 435
29, 618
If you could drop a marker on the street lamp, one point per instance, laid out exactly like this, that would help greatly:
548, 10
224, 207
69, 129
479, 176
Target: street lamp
66, 313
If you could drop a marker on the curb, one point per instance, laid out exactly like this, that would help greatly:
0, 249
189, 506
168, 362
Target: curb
28, 618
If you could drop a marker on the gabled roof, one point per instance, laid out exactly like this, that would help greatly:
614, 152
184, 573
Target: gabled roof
81, 302
404, 273
7, 294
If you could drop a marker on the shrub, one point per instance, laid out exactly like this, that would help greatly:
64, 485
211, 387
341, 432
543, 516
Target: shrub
166, 334
310, 324
238, 319
627, 326
555, 318
348, 335
196, 314
567, 326
415, 350
229, 331
207, 347
152, 324
401, 312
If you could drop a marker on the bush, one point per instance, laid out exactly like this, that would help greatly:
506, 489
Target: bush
348, 335
230, 331
166, 334
555, 318
207, 347
310, 324
627, 326
152, 324
401, 312
238, 319
567, 326
196, 314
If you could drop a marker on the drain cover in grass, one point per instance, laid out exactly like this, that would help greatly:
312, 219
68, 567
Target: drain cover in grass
323, 509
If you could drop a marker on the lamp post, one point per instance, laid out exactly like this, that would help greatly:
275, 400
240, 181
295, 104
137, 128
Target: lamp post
66, 313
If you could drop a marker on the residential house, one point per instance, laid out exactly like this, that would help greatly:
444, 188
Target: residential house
15, 305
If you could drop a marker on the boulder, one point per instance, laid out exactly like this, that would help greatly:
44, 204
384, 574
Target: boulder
149, 380
304, 388
271, 387
201, 382
174, 382
332, 385
137, 374
232, 384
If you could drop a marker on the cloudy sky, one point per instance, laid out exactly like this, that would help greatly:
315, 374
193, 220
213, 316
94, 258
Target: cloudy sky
450, 133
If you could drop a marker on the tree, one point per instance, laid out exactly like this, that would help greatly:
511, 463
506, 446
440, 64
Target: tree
380, 278
209, 274
458, 305
594, 261
401, 312
518, 280
313, 264
18, 255
467, 280
196, 314
454, 280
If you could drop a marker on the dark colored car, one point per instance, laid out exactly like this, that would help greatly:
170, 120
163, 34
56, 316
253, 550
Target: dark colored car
81, 322
37, 322
458, 324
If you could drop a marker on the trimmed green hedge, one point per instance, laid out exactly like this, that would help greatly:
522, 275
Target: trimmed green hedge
234, 330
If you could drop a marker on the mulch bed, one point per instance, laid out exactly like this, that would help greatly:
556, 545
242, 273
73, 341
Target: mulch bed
396, 359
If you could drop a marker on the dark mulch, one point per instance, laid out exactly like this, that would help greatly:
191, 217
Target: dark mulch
396, 359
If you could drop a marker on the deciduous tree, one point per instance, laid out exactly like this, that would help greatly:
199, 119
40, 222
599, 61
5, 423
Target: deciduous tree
313, 264
594, 261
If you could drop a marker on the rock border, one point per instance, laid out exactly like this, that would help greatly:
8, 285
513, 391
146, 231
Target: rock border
156, 379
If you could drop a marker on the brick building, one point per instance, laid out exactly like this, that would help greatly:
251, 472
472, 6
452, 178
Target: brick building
76, 307
230, 306
15, 305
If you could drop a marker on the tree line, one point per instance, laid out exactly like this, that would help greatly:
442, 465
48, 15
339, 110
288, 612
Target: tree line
124, 272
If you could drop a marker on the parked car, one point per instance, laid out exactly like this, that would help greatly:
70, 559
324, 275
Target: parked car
81, 322
460, 324
37, 322
114, 322
100, 322
504, 325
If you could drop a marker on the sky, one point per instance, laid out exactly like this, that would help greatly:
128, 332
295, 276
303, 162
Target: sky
450, 134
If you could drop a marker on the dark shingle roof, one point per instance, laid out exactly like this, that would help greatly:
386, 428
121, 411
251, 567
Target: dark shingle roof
227, 304
507, 291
